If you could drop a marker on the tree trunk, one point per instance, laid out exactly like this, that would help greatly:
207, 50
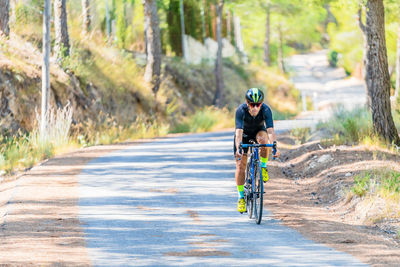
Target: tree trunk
377, 73
203, 22
214, 16
397, 91
219, 93
267, 39
183, 38
229, 26
61, 29
280, 50
153, 67
45, 67
4, 17
86, 16
364, 57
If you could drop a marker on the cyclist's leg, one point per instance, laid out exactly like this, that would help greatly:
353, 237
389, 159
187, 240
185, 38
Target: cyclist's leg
262, 138
239, 177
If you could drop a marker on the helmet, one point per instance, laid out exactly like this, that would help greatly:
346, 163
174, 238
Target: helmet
254, 95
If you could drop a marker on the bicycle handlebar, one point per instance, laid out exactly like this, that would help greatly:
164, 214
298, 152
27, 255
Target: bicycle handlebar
273, 145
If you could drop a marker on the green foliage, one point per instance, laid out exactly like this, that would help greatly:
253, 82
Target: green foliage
333, 58
349, 126
362, 184
107, 130
382, 182
121, 30
174, 27
204, 120
301, 134
25, 149
301, 23
192, 18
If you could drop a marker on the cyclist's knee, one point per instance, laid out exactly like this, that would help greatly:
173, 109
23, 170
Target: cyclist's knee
262, 140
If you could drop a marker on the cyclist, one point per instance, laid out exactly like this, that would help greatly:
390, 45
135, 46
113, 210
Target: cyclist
253, 121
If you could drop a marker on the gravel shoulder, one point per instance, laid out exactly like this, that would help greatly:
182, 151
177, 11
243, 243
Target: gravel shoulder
39, 212
311, 200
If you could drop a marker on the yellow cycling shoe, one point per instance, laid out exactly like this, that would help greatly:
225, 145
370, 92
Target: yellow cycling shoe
265, 175
241, 206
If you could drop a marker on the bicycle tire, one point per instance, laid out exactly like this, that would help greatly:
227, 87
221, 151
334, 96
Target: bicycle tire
258, 194
249, 199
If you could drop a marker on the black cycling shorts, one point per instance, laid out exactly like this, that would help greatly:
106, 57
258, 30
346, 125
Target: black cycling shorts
246, 138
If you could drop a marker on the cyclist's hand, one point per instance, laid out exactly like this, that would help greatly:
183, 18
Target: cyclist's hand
277, 153
238, 155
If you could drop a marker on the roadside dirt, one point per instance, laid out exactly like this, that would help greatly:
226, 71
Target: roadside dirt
308, 192
39, 224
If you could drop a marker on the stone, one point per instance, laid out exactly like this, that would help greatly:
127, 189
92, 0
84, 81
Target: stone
325, 158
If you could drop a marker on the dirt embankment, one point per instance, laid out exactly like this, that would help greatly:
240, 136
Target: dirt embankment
310, 193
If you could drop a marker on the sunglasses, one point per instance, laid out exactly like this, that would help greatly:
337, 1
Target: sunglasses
255, 105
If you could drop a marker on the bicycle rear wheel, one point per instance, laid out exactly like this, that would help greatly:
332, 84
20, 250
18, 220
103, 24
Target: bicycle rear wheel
258, 194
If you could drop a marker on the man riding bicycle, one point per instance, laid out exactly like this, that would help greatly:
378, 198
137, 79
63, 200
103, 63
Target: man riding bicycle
253, 121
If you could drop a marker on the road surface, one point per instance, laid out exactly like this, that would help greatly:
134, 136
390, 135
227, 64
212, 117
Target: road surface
173, 202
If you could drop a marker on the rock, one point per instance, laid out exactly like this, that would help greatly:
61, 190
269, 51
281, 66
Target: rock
348, 174
325, 158
311, 166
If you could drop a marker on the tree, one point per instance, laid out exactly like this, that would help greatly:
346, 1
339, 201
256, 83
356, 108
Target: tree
397, 92
153, 44
4, 17
281, 63
219, 92
86, 16
377, 73
267, 59
45, 67
61, 29
185, 51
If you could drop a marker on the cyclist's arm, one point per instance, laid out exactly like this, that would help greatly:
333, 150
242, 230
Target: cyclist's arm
239, 124
238, 138
271, 135
272, 138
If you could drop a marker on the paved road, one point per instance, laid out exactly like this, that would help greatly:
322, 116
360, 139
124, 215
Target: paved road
327, 86
173, 202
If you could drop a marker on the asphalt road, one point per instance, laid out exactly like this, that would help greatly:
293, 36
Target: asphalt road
173, 202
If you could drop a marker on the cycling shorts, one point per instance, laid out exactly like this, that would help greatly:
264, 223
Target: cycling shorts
247, 136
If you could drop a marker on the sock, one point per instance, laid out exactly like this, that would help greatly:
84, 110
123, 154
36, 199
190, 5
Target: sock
264, 162
240, 191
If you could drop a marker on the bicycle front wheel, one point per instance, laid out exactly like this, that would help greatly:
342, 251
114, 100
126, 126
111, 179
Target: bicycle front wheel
258, 194
249, 192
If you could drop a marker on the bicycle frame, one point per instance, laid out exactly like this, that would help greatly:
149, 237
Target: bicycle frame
255, 193
255, 157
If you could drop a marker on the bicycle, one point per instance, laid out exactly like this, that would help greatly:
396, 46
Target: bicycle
254, 185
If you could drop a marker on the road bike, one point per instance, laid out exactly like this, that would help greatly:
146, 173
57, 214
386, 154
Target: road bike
254, 185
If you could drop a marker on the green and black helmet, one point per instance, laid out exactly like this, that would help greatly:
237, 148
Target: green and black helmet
254, 95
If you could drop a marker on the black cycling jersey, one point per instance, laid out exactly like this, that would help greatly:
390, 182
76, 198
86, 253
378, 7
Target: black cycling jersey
250, 124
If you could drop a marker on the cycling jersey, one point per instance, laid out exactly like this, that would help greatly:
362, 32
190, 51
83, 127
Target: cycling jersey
250, 124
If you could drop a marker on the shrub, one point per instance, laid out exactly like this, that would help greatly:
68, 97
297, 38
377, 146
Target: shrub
301, 134
348, 126
333, 58
204, 120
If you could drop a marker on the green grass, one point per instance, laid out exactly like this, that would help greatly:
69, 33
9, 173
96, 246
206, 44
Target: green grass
382, 182
301, 134
206, 119
348, 127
